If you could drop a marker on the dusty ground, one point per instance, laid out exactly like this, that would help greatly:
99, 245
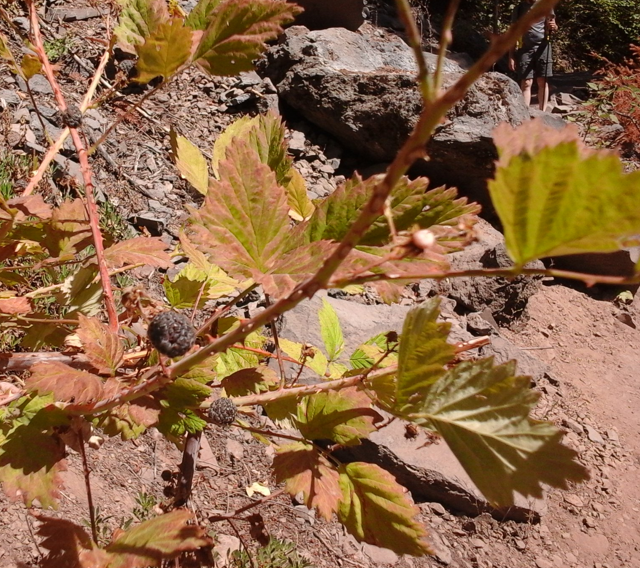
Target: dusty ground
592, 390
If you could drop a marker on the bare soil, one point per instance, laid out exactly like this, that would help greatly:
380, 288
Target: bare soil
592, 347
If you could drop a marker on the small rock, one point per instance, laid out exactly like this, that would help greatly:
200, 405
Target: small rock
437, 508
520, 544
9, 97
22, 23
38, 84
572, 425
477, 543
589, 522
226, 544
594, 435
305, 514
542, 563
478, 325
440, 549
235, 449
573, 500
380, 555
613, 435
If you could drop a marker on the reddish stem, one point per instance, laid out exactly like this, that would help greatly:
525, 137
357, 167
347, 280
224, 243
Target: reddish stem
90, 202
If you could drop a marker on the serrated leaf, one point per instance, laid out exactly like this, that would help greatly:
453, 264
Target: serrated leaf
138, 20
265, 135
556, 197
316, 361
300, 206
330, 330
372, 350
174, 423
337, 370
482, 412
68, 232
411, 205
16, 305
304, 469
237, 32
101, 346
30, 66
200, 16
190, 162
162, 537
192, 283
131, 419
82, 292
32, 206
343, 417
183, 392
30, 464
423, 352
151, 251
243, 225
166, 50
204, 372
375, 509
250, 381
69, 545
64, 382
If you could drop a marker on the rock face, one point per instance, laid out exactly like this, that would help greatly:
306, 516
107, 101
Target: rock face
316, 16
360, 88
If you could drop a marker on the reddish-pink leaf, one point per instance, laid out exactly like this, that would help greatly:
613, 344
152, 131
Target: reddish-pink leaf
375, 509
131, 419
64, 382
151, 251
17, 305
32, 206
102, 346
69, 230
30, 465
160, 538
69, 545
304, 469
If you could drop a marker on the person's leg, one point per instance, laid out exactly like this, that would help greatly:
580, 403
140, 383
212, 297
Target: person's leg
526, 85
543, 92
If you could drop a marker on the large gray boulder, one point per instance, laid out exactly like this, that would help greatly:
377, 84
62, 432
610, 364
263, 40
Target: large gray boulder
360, 88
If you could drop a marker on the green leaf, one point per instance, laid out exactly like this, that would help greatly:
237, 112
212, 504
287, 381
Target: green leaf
330, 330
190, 162
160, 538
183, 393
315, 359
192, 283
250, 381
151, 251
411, 205
482, 412
174, 423
237, 33
204, 372
101, 346
30, 66
200, 16
556, 197
265, 135
82, 292
64, 382
373, 349
31, 460
164, 51
138, 20
131, 419
304, 469
375, 509
343, 417
423, 352
300, 206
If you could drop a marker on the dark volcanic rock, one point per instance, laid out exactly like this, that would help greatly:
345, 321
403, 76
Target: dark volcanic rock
360, 87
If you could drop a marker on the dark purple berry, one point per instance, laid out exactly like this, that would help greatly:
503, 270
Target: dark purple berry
72, 117
171, 334
223, 412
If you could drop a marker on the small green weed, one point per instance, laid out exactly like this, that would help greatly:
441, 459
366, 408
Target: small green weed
277, 554
112, 223
143, 511
13, 168
56, 48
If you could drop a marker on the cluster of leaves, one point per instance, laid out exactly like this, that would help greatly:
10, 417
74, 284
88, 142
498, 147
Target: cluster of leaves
257, 227
615, 99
